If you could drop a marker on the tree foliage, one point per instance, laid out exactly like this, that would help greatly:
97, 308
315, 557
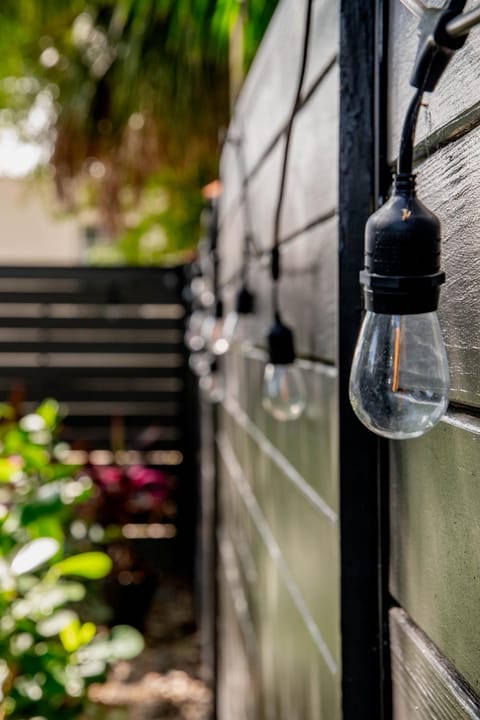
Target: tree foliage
136, 92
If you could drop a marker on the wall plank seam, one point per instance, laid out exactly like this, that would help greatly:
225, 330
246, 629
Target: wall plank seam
279, 135
243, 487
239, 601
274, 454
304, 100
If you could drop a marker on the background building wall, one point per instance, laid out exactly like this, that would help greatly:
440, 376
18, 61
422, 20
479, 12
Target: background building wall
31, 234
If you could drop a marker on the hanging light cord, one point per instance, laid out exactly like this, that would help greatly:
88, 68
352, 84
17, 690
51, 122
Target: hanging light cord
405, 155
249, 245
432, 59
275, 259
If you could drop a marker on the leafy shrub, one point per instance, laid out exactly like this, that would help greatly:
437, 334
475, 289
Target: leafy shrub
49, 651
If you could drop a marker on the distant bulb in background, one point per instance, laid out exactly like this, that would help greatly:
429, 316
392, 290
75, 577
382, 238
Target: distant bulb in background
213, 335
199, 363
193, 332
399, 383
284, 393
212, 332
237, 325
212, 384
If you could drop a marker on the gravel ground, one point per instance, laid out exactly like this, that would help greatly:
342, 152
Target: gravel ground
163, 682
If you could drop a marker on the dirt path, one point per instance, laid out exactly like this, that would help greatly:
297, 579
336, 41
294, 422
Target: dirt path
163, 682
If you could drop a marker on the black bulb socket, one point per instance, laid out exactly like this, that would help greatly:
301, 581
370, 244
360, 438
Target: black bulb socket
245, 302
281, 345
402, 274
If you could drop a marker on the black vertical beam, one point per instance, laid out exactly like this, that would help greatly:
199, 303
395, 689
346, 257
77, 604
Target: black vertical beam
361, 586
382, 182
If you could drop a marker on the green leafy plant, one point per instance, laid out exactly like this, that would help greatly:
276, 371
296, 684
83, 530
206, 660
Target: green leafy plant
49, 652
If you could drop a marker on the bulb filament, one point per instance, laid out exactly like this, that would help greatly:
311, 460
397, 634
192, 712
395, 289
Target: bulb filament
396, 360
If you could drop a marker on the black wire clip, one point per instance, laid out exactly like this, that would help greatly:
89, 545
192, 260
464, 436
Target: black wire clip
436, 46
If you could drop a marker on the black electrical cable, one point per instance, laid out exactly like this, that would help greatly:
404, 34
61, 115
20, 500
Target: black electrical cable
249, 239
275, 266
435, 51
405, 155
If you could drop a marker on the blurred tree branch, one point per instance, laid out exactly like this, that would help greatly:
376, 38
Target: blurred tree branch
137, 91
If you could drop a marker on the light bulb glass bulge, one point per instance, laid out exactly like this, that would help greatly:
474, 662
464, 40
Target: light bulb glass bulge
238, 328
284, 394
213, 386
193, 333
212, 333
199, 363
399, 382
230, 326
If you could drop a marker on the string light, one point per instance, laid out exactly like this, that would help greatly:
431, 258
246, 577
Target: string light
399, 381
284, 394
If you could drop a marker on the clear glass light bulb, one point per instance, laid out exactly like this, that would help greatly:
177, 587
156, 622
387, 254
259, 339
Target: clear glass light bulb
199, 363
212, 333
213, 386
193, 333
230, 326
399, 382
284, 394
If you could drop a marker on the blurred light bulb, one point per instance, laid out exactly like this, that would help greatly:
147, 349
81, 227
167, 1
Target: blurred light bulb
213, 335
284, 394
399, 382
230, 326
199, 363
193, 333
238, 323
212, 385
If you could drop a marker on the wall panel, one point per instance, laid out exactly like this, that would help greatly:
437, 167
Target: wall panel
435, 505
454, 107
425, 685
279, 482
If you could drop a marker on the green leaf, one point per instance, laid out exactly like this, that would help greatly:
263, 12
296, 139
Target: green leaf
48, 526
126, 642
36, 458
9, 468
91, 565
49, 410
73, 635
40, 508
56, 623
34, 554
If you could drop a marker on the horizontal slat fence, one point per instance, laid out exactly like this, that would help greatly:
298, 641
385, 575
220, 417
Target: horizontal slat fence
107, 343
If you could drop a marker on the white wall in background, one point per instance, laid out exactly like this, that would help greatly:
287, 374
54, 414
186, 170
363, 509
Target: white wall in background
30, 231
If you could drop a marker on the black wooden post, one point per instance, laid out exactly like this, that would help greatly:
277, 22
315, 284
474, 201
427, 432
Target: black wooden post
362, 577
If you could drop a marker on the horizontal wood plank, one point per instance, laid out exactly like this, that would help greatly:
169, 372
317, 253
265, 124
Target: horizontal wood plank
312, 180
265, 103
294, 674
308, 291
435, 505
425, 685
449, 184
307, 448
452, 98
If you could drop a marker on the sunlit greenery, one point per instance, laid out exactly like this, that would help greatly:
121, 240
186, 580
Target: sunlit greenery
49, 650
133, 93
